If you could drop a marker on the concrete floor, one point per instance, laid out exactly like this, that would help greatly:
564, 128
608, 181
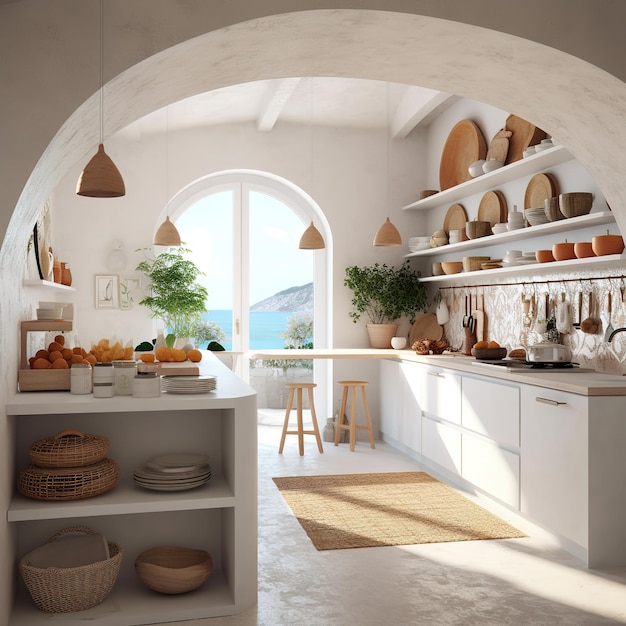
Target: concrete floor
511, 581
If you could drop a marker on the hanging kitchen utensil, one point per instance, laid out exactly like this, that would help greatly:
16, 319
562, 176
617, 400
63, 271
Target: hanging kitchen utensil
590, 324
470, 319
466, 316
443, 314
580, 310
609, 306
564, 316
479, 322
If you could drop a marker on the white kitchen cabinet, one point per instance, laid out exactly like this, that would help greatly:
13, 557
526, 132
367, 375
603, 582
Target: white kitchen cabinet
441, 443
220, 516
555, 461
492, 409
441, 394
400, 408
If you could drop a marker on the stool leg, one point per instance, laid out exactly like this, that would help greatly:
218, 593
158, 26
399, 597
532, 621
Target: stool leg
286, 422
353, 419
300, 424
368, 418
314, 418
342, 410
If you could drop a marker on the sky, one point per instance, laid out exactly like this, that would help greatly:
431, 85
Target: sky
276, 262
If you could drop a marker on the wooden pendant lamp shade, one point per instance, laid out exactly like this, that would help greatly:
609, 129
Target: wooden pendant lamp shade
388, 235
100, 178
167, 235
311, 239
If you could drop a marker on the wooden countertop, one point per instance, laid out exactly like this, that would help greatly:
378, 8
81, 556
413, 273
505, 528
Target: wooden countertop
583, 382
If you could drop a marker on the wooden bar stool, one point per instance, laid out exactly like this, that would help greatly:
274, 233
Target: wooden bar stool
351, 426
293, 387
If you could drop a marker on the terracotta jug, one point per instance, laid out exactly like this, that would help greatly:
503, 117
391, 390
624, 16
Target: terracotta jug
66, 274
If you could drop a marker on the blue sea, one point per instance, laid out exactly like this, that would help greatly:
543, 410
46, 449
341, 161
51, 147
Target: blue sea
265, 327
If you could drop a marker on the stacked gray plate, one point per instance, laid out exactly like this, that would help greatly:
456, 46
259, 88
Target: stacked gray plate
174, 472
188, 384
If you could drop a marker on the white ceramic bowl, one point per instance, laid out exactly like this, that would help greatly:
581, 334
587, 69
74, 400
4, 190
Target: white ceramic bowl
499, 228
476, 168
490, 166
397, 343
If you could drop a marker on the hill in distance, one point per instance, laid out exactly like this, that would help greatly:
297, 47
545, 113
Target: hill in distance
294, 299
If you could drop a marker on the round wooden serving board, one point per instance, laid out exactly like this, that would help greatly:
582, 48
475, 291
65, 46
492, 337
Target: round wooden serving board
493, 208
465, 144
455, 219
425, 327
540, 187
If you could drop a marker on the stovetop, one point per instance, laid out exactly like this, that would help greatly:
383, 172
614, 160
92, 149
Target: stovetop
512, 365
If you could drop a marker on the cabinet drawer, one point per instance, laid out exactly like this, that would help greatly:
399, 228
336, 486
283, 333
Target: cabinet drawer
492, 469
442, 444
441, 395
492, 409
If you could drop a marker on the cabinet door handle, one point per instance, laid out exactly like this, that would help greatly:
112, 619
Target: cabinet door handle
437, 374
548, 401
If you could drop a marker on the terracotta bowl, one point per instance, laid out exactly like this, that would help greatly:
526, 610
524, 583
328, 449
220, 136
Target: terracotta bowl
583, 249
172, 570
563, 251
575, 203
544, 256
477, 228
607, 244
452, 267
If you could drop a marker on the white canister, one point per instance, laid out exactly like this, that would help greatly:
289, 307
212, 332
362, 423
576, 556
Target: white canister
80, 378
147, 382
103, 380
124, 375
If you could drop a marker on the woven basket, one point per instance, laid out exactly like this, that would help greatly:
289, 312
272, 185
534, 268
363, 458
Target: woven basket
63, 590
68, 483
69, 448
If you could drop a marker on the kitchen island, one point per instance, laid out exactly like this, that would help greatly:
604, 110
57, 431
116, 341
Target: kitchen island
219, 516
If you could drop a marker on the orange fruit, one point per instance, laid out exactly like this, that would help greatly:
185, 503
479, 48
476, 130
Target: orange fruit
41, 364
481, 344
148, 357
60, 364
55, 347
195, 356
493, 344
67, 354
179, 355
76, 358
55, 355
91, 359
42, 354
164, 354
60, 339
77, 351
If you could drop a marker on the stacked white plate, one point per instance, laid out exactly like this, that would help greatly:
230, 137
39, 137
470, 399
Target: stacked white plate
174, 472
188, 384
418, 243
536, 216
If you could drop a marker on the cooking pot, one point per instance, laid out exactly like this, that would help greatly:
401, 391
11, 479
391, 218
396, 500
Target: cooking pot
548, 352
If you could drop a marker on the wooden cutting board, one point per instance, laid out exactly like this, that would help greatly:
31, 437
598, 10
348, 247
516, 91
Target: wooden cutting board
524, 134
455, 219
425, 327
493, 208
465, 144
540, 187
499, 146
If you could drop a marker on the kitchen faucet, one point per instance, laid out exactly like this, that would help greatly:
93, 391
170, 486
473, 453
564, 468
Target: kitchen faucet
617, 330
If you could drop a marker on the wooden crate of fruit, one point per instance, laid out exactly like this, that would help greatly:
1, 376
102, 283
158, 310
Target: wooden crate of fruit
42, 379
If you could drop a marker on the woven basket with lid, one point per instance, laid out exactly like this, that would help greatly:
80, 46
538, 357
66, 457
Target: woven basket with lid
69, 448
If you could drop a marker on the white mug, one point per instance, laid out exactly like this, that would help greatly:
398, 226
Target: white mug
397, 343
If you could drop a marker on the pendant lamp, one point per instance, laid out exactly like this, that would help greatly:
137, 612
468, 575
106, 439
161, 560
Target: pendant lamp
311, 239
100, 178
387, 234
167, 234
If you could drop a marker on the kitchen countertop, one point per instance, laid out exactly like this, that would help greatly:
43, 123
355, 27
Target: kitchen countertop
583, 382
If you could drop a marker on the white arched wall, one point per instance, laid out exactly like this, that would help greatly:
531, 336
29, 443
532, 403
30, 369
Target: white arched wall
582, 105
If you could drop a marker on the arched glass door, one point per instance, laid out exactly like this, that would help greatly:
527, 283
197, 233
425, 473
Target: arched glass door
264, 293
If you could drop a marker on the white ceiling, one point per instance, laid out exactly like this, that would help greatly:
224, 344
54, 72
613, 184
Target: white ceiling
328, 101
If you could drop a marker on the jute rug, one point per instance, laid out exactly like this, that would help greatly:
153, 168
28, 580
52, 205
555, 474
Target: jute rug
386, 509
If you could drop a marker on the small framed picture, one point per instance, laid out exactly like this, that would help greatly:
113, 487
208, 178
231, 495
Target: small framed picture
129, 290
107, 291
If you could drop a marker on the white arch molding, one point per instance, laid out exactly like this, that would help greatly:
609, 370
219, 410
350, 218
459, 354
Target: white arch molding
305, 207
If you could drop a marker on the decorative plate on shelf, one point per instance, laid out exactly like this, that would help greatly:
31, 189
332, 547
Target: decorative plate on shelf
464, 145
524, 134
540, 187
493, 208
455, 218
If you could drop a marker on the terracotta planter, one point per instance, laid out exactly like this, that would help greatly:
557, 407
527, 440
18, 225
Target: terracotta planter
380, 334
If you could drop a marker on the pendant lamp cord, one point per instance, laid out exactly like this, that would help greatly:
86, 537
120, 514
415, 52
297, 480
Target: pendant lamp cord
101, 71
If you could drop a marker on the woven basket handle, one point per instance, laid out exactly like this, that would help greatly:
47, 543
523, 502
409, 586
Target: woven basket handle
67, 432
71, 530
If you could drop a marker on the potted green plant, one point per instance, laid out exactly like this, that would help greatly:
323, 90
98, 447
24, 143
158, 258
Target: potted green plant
175, 297
384, 294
